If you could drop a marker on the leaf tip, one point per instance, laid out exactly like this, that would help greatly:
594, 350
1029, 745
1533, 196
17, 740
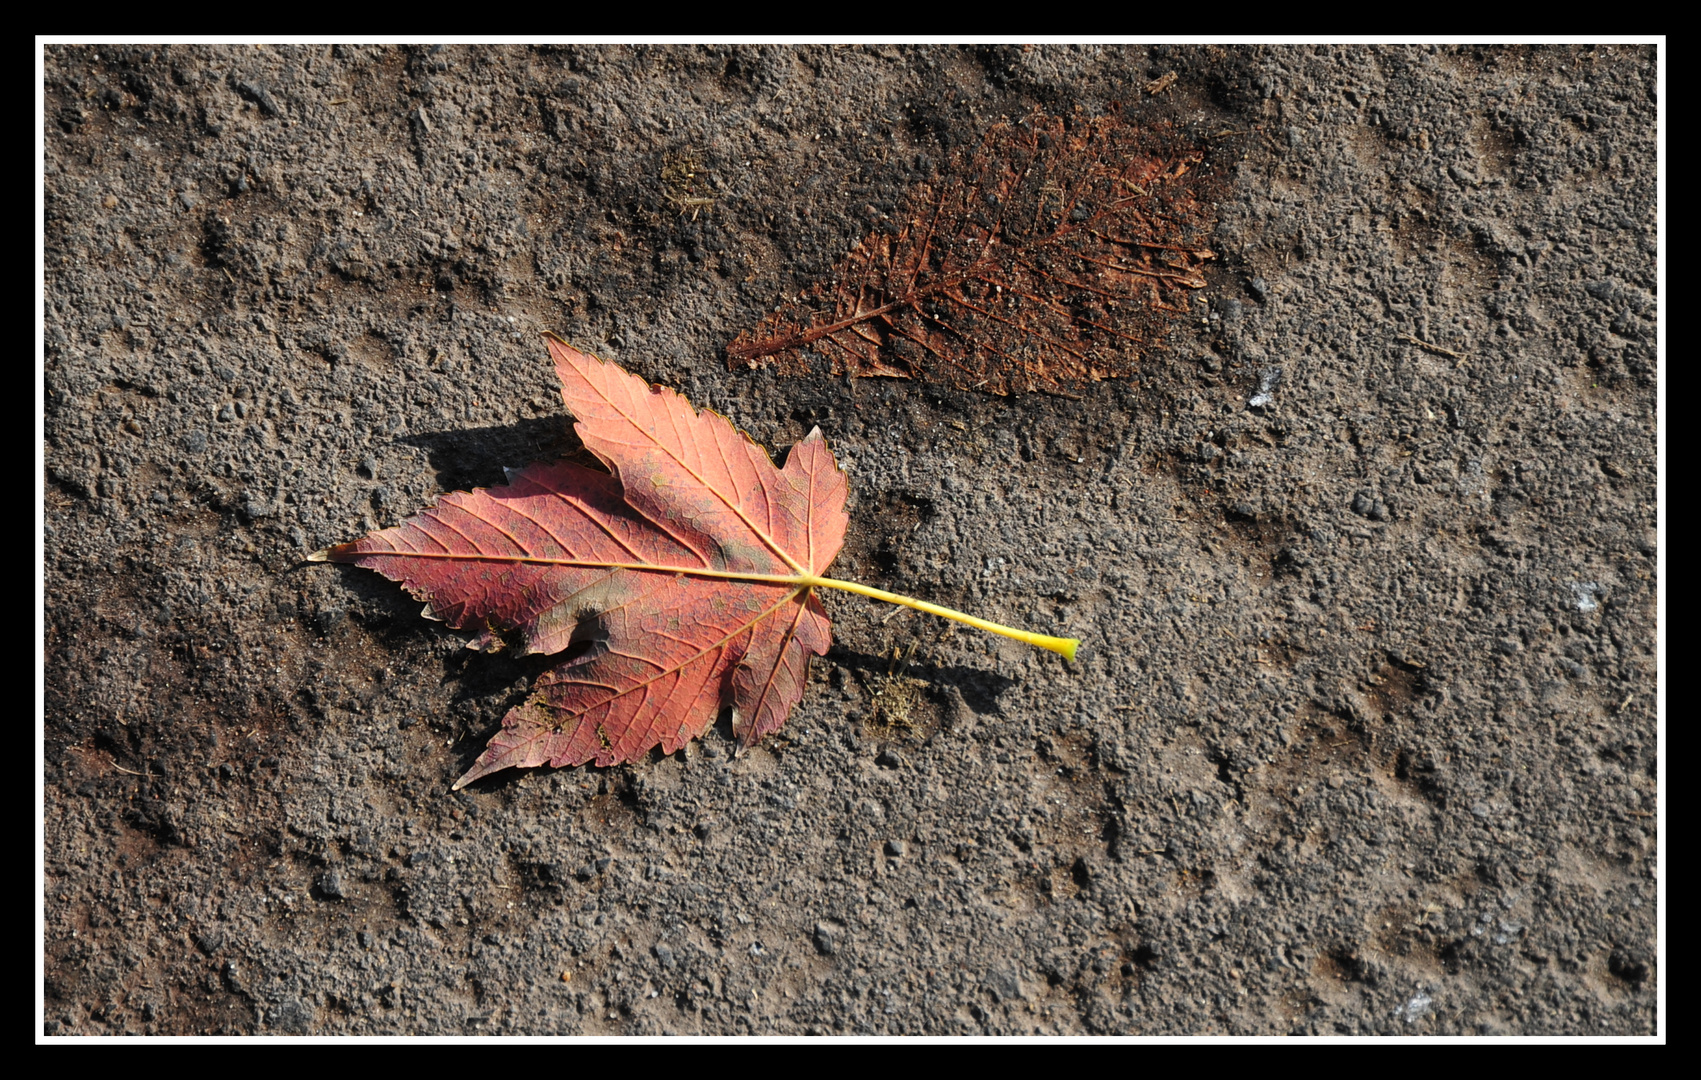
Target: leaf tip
471, 774
492, 760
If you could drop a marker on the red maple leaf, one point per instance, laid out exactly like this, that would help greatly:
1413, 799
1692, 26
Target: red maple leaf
689, 570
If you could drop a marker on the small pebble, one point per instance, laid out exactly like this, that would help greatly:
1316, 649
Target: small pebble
331, 885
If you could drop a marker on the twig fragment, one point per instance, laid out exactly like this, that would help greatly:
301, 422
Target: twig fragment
1437, 349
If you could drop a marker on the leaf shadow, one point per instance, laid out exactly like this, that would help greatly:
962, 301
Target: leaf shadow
477, 675
465, 458
979, 687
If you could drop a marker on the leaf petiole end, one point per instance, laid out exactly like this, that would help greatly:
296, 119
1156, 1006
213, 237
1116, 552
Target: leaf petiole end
1062, 646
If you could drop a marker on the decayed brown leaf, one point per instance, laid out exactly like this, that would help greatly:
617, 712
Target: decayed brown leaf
1055, 253
681, 581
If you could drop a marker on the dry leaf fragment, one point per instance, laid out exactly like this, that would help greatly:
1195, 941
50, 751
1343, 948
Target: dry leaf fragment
1055, 253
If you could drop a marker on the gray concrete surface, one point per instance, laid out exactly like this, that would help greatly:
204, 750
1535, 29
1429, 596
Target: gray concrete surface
1365, 741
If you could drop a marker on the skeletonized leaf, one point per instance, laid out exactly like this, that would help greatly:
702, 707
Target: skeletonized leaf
1055, 253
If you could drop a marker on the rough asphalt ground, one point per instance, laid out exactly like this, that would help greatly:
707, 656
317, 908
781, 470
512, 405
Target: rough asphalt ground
1366, 738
